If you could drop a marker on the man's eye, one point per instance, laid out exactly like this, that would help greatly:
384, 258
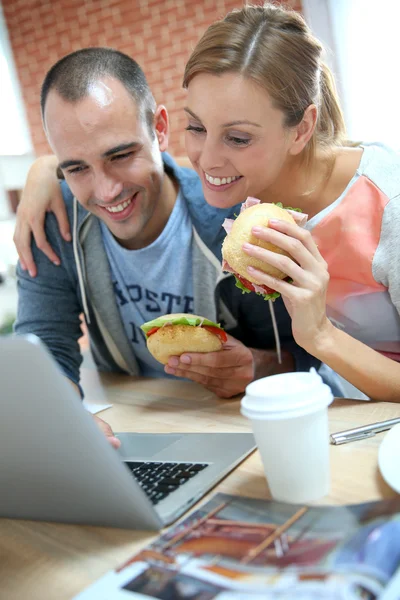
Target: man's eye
197, 129
76, 170
121, 156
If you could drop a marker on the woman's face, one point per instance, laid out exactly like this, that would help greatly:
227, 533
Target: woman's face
235, 139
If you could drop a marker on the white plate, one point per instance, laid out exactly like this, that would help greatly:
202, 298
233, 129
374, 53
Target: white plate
389, 458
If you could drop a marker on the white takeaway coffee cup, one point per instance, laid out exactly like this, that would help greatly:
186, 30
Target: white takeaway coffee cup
289, 418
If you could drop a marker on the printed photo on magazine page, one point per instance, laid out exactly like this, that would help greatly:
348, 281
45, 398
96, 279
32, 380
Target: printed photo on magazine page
241, 548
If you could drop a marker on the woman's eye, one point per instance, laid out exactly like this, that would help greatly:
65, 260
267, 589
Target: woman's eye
195, 129
238, 141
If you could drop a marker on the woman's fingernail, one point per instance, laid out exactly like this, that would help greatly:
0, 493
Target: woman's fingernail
256, 230
56, 262
246, 246
251, 269
274, 221
67, 237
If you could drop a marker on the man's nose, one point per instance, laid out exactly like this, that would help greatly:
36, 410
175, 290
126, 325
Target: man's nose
107, 188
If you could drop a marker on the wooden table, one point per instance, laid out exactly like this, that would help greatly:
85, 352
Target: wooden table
49, 561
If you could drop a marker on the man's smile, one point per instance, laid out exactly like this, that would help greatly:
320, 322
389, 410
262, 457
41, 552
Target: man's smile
122, 210
118, 207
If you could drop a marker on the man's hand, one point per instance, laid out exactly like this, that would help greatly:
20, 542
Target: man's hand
108, 432
104, 427
226, 373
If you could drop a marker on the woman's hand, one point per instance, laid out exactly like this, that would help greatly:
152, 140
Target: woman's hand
41, 194
305, 298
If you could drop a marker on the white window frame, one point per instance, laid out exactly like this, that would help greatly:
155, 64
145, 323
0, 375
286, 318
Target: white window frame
362, 50
15, 139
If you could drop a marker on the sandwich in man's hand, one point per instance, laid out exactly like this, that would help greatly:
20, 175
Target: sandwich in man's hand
175, 334
235, 260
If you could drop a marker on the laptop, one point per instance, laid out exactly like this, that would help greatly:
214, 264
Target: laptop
56, 465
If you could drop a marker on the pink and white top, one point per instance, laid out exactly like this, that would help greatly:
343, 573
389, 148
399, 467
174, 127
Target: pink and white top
358, 235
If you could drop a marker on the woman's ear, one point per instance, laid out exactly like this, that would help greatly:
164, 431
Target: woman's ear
161, 126
304, 130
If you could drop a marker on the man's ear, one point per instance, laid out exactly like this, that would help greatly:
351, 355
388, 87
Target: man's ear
161, 126
304, 130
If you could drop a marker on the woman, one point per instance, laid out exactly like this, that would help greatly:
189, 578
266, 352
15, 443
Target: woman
263, 120
262, 110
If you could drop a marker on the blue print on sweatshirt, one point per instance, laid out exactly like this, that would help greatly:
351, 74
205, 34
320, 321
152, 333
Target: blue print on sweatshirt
152, 281
158, 302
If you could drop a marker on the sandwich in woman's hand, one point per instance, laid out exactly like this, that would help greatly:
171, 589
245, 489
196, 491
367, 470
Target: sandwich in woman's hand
172, 335
254, 213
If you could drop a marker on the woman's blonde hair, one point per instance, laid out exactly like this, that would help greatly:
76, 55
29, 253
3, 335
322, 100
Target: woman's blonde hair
275, 48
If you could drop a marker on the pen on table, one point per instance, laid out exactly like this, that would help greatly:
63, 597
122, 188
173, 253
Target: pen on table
360, 433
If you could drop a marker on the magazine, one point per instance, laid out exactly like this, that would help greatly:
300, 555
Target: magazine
235, 547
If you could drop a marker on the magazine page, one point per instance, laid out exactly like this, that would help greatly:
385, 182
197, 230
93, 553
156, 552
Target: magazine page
240, 548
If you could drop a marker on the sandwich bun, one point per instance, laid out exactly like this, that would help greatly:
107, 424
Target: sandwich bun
176, 339
256, 215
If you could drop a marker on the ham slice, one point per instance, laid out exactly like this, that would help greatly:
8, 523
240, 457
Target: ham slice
300, 218
258, 288
227, 225
249, 202
226, 266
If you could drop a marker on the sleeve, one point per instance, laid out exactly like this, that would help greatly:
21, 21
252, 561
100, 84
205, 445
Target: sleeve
49, 306
254, 324
386, 261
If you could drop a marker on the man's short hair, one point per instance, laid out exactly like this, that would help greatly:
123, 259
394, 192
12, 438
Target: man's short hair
73, 75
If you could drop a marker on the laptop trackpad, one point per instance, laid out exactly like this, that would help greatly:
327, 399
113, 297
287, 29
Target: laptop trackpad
144, 445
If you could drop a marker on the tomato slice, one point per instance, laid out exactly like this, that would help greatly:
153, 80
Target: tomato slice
216, 331
244, 282
247, 284
151, 331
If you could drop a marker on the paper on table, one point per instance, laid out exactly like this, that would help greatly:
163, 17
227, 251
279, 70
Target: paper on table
95, 399
95, 408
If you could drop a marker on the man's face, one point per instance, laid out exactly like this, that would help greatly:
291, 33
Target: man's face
111, 160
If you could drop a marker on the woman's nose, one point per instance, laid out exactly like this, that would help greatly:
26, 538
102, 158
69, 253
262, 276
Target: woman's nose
211, 157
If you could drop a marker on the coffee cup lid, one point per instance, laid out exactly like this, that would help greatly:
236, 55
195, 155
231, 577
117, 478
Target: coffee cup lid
286, 396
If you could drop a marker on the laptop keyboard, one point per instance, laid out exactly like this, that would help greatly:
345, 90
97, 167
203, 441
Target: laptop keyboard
159, 479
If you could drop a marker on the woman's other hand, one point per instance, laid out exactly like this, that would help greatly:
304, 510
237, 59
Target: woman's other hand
41, 194
305, 297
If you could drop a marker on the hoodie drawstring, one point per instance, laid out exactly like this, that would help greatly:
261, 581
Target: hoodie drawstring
78, 262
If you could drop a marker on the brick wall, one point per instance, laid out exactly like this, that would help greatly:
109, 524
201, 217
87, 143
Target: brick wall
159, 34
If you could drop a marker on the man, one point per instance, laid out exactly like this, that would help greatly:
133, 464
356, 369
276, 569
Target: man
144, 241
